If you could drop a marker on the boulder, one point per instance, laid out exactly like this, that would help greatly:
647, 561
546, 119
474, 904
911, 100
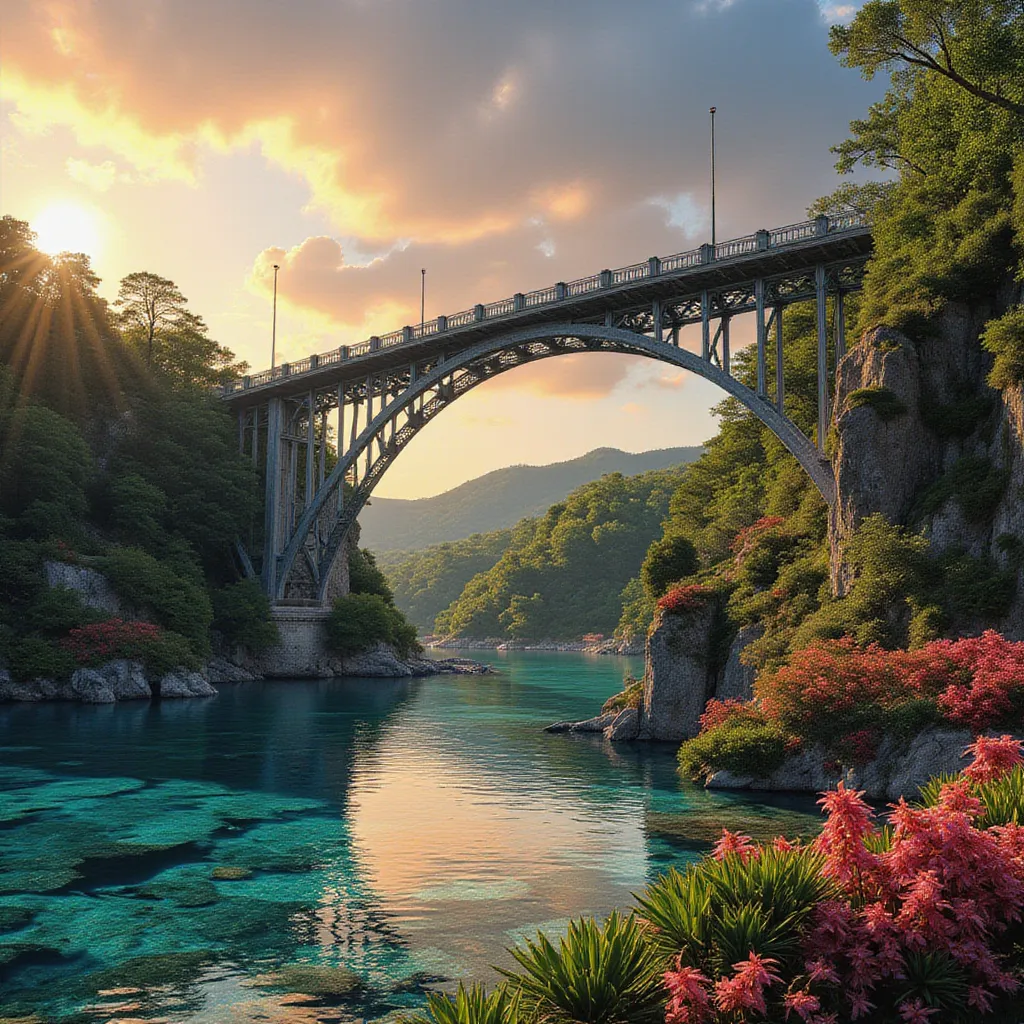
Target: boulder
34, 690
625, 727
802, 773
737, 680
89, 685
597, 724
930, 753
126, 680
378, 662
221, 670
183, 683
676, 684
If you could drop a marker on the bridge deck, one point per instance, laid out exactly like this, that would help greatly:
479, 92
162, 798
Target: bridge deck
763, 255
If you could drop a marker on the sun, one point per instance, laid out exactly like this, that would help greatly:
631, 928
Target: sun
68, 227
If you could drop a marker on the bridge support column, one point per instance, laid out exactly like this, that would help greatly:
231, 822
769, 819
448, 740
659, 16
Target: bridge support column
762, 373
272, 524
840, 326
823, 410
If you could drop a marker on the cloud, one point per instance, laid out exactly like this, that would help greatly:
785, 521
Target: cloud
99, 177
449, 121
670, 382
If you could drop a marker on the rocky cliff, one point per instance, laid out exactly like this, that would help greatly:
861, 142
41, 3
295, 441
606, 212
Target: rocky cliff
921, 438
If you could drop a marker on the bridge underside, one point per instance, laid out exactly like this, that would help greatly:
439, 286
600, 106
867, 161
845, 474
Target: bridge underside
375, 405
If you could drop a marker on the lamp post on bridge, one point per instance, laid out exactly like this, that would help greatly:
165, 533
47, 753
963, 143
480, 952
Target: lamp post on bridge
423, 294
273, 328
713, 178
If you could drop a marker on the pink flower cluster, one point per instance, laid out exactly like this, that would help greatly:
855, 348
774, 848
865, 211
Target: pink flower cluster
114, 638
745, 541
975, 681
936, 884
687, 598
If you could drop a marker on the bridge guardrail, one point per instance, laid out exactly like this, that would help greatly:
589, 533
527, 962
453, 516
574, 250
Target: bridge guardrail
776, 238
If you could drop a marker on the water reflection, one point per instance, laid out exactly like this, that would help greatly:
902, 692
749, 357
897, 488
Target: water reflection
163, 861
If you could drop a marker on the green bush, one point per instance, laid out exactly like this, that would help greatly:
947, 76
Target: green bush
470, 1006
241, 612
176, 595
170, 651
36, 657
740, 745
959, 418
365, 578
55, 610
886, 404
974, 482
599, 974
357, 621
1004, 338
668, 561
137, 510
631, 696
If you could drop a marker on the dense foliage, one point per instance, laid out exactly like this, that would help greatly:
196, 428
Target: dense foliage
105, 462
359, 621
562, 574
426, 582
917, 920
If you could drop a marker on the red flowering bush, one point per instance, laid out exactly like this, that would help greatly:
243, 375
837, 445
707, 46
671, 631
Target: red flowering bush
924, 923
689, 598
159, 649
750, 535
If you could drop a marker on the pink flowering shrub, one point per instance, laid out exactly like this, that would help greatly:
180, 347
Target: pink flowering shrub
159, 649
924, 922
688, 598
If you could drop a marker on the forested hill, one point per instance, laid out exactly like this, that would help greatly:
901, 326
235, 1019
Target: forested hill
499, 499
561, 574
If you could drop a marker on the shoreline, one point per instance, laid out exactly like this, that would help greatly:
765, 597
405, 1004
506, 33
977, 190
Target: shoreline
612, 646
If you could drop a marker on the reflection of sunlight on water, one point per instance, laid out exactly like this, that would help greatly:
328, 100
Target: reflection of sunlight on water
466, 853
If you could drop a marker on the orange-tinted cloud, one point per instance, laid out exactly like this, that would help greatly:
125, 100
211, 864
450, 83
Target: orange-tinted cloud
442, 122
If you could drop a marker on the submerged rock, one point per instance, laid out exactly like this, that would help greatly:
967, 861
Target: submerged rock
230, 873
597, 724
312, 980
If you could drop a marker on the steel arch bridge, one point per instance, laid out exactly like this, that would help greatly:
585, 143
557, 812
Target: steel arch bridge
378, 395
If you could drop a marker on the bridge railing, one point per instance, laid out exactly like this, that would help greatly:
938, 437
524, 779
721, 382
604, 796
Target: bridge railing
774, 239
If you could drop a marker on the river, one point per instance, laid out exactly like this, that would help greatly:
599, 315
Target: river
409, 831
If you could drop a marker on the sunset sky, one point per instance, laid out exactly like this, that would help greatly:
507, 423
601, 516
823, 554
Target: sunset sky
501, 145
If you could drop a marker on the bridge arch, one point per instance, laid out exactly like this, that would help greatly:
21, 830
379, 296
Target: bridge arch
320, 532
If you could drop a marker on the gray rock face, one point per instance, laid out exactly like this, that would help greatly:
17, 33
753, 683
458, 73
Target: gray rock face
898, 770
737, 680
90, 687
92, 587
35, 690
676, 684
625, 727
126, 680
377, 662
220, 670
182, 683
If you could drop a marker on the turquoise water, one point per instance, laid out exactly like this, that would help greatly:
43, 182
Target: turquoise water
176, 861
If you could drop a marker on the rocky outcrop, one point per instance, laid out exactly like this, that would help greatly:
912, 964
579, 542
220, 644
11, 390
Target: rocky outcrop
737, 681
676, 671
223, 670
92, 587
907, 412
625, 727
898, 769
183, 683
598, 724
113, 681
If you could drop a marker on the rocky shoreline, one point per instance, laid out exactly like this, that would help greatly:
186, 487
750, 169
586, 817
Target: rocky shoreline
122, 679
612, 646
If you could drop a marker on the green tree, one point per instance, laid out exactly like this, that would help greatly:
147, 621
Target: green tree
153, 318
667, 561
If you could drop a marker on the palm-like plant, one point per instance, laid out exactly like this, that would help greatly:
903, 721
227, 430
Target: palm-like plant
471, 1005
1002, 799
719, 911
597, 975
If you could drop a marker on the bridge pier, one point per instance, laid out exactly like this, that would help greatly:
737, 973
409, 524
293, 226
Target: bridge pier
303, 652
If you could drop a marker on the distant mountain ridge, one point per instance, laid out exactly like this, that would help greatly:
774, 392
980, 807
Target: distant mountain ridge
499, 499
